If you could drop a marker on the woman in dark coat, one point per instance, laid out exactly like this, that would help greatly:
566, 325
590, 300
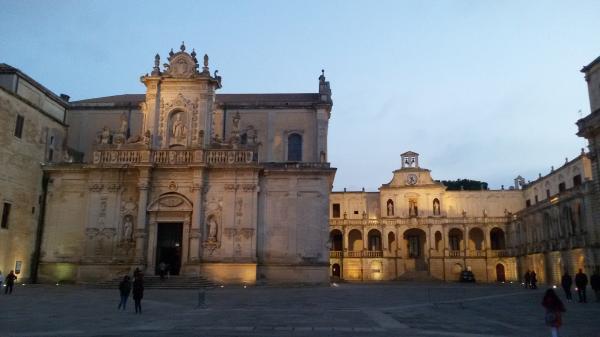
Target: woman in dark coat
138, 293
554, 309
10, 282
124, 290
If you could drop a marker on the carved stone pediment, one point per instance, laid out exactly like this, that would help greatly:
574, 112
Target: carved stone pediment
171, 202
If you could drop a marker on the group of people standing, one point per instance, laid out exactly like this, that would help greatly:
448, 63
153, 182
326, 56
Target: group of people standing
555, 307
137, 288
530, 279
9, 282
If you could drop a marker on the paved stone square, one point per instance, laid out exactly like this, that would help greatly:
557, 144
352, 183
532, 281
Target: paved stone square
390, 309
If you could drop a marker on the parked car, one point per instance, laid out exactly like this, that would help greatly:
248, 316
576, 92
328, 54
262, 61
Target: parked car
467, 276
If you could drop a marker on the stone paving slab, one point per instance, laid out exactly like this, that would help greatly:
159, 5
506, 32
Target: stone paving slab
392, 309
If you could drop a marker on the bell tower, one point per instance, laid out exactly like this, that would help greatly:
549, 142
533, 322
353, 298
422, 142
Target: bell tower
410, 159
178, 109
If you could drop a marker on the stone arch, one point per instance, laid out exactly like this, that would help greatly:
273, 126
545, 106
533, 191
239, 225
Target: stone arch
455, 239
476, 239
337, 240
171, 201
500, 273
497, 239
374, 240
336, 271
355, 242
391, 241
416, 241
438, 240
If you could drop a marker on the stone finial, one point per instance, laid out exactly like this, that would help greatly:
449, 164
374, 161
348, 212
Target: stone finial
566, 160
206, 60
552, 168
322, 77
193, 54
539, 175
171, 53
156, 69
182, 47
582, 151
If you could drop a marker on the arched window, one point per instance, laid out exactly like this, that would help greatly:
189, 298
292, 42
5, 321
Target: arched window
374, 240
294, 147
497, 239
454, 239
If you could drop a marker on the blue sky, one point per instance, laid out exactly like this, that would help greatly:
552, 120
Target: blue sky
484, 90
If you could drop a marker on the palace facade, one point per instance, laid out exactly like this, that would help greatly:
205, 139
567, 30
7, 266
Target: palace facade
414, 228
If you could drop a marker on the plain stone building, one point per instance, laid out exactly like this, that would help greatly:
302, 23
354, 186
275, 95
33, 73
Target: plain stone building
33, 132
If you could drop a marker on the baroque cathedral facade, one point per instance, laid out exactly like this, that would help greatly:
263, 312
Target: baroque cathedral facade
230, 187
236, 188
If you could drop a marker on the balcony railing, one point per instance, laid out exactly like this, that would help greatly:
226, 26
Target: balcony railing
173, 157
336, 254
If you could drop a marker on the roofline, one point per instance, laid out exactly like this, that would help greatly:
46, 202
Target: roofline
587, 68
8, 69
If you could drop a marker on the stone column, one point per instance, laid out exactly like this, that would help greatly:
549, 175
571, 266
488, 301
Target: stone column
196, 228
140, 228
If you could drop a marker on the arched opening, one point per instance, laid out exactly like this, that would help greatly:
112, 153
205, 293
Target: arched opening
391, 241
337, 239
390, 207
374, 238
497, 239
476, 239
438, 240
336, 270
294, 147
436, 206
455, 237
415, 248
500, 276
355, 242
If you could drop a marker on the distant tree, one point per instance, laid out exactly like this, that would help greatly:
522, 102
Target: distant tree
465, 184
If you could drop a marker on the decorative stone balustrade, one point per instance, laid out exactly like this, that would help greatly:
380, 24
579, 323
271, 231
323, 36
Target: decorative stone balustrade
335, 254
173, 157
419, 221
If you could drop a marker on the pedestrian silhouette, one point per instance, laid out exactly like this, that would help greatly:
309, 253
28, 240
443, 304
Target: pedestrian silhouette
567, 282
554, 309
581, 281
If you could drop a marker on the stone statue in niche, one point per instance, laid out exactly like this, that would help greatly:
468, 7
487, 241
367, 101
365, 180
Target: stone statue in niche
436, 207
105, 136
212, 229
178, 129
124, 124
128, 228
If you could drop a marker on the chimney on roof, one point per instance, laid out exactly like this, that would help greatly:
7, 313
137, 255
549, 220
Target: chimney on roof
65, 97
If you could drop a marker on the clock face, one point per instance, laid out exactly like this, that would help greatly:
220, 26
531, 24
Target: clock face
411, 179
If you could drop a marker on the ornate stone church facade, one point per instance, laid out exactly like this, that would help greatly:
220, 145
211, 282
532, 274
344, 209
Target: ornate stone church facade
231, 187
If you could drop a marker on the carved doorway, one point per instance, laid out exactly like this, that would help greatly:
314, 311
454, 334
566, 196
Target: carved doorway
168, 246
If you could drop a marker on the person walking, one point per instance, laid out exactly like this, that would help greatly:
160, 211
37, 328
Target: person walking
138, 293
527, 279
162, 270
124, 290
567, 282
533, 280
595, 283
581, 281
10, 282
554, 309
